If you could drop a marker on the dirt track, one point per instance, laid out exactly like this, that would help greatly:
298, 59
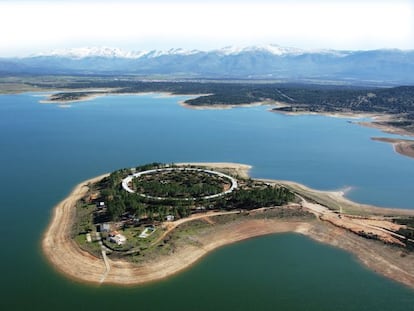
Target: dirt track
68, 258
77, 264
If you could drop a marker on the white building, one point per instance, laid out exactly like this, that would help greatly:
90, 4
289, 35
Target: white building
117, 238
169, 218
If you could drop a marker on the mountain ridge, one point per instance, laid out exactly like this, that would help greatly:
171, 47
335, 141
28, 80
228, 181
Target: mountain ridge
104, 51
266, 62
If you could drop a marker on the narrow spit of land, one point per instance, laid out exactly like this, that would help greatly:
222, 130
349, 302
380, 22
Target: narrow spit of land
330, 226
391, 109
401, 146
388, 122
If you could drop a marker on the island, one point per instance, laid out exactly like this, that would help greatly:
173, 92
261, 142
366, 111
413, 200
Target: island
147, 223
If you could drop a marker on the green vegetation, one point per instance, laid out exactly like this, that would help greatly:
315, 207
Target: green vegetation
134, 244
129, 215
254, 198
409, 221
124, 218
94, 247
408, 232
72, 96
397, 101
84, 219
179, 184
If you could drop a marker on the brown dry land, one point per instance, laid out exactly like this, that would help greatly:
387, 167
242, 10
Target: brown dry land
380, 122
327, 227
401, 146
227, 106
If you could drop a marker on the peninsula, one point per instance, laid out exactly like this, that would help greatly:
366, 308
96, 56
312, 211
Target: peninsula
392, 108
336, 101
147, 223
401, 146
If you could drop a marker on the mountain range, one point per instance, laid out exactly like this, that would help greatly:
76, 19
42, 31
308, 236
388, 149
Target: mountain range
270, 62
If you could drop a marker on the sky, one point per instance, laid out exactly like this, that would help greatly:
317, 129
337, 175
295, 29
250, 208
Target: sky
29, 27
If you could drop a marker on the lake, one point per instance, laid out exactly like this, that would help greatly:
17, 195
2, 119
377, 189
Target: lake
46, 150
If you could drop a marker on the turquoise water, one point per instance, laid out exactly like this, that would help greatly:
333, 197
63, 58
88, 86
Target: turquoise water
46, 150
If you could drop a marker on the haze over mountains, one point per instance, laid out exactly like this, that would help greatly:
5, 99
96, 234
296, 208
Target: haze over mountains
269, 62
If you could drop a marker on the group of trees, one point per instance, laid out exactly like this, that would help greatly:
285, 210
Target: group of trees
408, 232
255, 198
316, 98
179, 184
120, 203
124, 203
175, 190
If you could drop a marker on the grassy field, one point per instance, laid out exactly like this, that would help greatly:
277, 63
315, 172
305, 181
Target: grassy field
84, 219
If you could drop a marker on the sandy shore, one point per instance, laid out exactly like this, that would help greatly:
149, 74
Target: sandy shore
345, 115
238, 169
337, 200
57, 243
402, 146
226, 107
381, 258
376, 123
66, 256
84, 98
93, 93
376, 118
108, 92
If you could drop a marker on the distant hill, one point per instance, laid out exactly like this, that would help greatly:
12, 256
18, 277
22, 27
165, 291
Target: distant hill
382, 67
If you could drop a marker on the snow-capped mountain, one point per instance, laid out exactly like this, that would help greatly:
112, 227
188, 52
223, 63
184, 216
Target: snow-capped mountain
271, 62
270, 48
108, 52
179, 51
84, 52
273, 49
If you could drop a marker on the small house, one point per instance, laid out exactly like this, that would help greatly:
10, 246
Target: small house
116, 237
170, 218
100, 205
105, 227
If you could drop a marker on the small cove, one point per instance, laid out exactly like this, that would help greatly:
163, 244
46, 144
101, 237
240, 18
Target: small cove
46, 150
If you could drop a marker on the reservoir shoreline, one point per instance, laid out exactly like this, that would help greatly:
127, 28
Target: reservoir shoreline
67, 257
402, 147
54, 149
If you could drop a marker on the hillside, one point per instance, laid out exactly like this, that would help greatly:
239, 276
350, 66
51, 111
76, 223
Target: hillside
376, 67
396, 102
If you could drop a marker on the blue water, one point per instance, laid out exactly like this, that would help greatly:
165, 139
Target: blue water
122, 131
46, 150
